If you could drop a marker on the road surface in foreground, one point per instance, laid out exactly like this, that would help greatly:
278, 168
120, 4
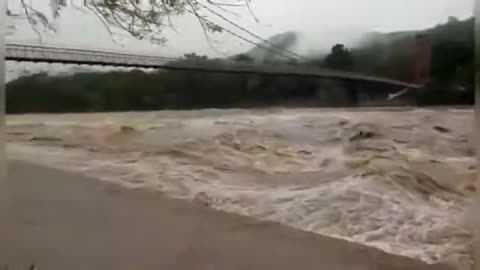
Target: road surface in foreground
63, 221
397, 180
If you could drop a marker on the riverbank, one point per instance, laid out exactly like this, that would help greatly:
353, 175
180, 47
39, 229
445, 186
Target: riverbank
60, 220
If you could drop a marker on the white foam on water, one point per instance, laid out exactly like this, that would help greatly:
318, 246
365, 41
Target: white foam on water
304, 168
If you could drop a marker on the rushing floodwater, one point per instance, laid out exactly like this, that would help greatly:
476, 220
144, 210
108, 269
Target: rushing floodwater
400, 180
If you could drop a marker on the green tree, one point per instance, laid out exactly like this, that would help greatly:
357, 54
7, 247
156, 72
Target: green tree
339, 58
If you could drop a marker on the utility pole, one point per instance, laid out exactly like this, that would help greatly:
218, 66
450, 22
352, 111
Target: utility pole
3, 32
4, 201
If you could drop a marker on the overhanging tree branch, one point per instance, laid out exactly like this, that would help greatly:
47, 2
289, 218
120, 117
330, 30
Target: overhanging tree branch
140, 19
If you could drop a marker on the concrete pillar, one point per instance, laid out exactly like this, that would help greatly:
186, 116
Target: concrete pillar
352, 88
336, 93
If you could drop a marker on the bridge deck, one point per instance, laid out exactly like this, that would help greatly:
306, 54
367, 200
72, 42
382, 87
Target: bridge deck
32, 53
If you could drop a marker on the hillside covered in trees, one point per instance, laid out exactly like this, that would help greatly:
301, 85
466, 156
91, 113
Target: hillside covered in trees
453, 55
386, 55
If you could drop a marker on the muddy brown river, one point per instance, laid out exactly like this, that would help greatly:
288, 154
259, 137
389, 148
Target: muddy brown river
397, 179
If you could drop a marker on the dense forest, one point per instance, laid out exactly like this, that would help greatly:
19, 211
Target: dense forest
451, 80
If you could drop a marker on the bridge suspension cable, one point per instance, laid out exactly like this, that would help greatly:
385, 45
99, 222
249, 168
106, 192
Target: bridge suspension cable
277, 51
300, 57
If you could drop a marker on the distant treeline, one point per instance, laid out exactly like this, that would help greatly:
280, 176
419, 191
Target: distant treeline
452, 80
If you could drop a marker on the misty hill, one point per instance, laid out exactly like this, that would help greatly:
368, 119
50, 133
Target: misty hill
442, 30
265, 52
391, 54
371, 38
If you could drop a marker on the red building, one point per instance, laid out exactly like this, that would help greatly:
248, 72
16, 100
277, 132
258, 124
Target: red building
422, 60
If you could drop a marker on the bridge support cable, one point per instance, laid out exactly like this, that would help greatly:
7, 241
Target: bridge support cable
277, 51
265, 41
398, 94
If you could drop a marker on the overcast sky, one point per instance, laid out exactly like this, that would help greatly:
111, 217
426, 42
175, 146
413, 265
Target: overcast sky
321, 23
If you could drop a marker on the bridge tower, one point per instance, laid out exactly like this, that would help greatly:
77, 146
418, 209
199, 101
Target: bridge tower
422, 59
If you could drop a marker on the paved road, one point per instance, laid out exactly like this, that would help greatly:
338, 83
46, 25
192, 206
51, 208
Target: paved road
64, 221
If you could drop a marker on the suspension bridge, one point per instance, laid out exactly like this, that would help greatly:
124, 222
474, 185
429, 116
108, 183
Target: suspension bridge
51, 54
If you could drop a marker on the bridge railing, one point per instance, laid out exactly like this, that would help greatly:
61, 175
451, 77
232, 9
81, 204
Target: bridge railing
35, 53
45, 53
